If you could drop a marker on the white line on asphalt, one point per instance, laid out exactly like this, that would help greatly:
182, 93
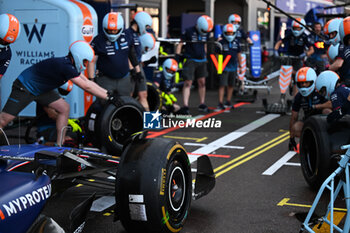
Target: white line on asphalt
281, 162
202, 144
228, 138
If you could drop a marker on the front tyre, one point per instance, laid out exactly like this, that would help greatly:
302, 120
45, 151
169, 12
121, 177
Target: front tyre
154, 186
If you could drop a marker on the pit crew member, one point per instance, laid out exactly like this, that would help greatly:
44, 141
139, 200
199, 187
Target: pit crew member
307, 99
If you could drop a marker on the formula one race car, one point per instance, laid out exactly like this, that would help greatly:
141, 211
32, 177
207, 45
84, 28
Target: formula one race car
152, 185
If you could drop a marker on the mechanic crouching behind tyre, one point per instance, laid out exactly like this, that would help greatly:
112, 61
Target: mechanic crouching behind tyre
307, 99
328, 85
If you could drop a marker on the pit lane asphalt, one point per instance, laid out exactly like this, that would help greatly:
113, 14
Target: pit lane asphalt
243, 200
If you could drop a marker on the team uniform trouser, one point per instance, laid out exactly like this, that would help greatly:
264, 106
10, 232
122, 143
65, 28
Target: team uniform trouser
121, 85
20, 98
139, 85
228, 78
193, 69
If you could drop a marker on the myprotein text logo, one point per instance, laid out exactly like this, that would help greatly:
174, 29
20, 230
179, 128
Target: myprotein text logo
34, 32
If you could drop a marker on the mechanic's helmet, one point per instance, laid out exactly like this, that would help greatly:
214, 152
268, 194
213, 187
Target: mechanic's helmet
305, 79
147, 42
81, 52
332, 52
229, 32
169, 68
331, 29
144, 21
9, 29
326, 83
204, 24
344, 30
297, 28
235, 20
66, 88
113, 25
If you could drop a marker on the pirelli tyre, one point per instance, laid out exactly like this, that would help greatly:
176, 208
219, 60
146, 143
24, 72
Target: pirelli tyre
154, 97
153, 186
320, 146
108, 127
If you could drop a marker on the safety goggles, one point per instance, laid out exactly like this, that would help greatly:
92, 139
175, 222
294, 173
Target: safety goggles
305, 84
296, 28
113, 31
170, 71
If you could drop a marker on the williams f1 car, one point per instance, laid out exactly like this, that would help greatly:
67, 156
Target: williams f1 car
153, 184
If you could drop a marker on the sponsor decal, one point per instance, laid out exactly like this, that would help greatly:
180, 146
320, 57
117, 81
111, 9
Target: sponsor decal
27, 200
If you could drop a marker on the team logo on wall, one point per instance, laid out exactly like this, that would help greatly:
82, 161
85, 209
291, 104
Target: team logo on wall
34, 32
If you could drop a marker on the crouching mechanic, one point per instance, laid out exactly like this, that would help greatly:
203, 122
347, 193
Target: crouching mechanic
165, 81
307, 99
38, 83
329, 85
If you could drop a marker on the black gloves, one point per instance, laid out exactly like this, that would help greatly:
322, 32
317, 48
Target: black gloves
292, 144
339, 113
137, 76
113, 97
150, 61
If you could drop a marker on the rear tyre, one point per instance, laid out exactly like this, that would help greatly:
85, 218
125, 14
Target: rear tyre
154, 186
111, 127
317, 146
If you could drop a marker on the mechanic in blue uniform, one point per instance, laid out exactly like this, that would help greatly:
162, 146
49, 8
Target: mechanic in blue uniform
111, 56
196, 64
9, 32
297, 41
328, 84
165, 81
138, 26
307, 99
230, 46
318, 58
236, 20
342, 62
38, 83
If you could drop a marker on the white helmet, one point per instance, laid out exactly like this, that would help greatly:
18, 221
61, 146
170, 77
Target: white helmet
113, 21
9, 29
204, 24
143, 20
333, 26
169, 68
81, 51
306, 74
296, 25
332, 52
229, 28
326, 82
235, 20
344, 29
147, 42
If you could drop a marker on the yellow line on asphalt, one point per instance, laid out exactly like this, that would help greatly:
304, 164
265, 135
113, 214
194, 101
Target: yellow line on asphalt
285, 202
186, 138
250, 152
252, 156
337, 217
